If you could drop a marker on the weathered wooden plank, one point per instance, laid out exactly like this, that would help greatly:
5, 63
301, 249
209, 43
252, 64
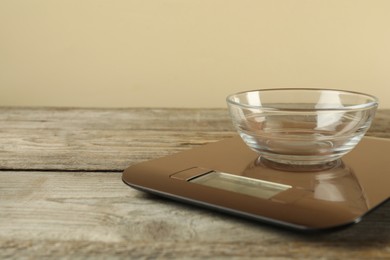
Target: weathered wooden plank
94, 149
82, 215
381, 124
94, 215
112, 139
101, 139
118, 119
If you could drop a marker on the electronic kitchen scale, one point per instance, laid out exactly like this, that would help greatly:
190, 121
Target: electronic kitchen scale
229, 177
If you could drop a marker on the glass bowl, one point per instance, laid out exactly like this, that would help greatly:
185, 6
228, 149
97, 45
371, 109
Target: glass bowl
299, 126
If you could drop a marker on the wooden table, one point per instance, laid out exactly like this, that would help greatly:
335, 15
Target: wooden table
61, 193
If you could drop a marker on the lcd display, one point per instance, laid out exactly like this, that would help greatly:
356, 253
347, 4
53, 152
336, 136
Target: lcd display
239, 184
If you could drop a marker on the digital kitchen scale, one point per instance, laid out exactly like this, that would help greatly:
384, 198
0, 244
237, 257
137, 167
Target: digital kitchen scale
229, 177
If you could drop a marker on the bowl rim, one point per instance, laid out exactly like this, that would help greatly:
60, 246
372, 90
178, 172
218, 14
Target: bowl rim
373, 103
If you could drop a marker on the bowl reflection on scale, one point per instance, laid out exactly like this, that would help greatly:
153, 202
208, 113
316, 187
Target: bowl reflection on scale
337, 184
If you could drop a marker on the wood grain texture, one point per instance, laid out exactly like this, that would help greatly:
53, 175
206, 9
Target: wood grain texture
61, 194
96, 139
94, 215
112, 139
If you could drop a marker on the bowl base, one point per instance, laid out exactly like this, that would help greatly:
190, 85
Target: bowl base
298, 166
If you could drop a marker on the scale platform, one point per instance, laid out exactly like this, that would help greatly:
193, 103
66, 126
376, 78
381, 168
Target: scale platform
227, 176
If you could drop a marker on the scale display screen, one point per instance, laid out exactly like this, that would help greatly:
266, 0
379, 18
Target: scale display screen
240, 184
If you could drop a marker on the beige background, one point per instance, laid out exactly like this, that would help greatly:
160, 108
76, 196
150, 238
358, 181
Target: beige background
187, 53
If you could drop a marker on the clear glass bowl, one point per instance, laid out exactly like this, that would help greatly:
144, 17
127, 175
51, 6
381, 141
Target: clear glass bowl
301, 126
